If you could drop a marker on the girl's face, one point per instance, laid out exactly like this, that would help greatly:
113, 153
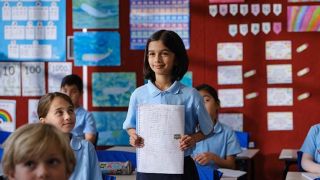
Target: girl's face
51, 166
61, 115
210, 104
160, 58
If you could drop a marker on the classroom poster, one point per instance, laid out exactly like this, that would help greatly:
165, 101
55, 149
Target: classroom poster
303, 0
148, 16
226, 1
279, 96
109, 127
7, 115
278, 50
112, 89
230, 51
10, 79
279, 74
233, 120
93, 14
230, 97
187, 79
97, 48
303, 18
230, 74
280, 121
32, 111
33, 78
56, 72
33, 30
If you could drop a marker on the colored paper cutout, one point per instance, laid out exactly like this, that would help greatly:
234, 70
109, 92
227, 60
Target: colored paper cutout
303, 18
5, 116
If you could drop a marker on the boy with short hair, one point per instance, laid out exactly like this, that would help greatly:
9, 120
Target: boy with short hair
85, 126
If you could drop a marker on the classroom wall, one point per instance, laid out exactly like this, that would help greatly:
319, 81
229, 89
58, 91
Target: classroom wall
205, 33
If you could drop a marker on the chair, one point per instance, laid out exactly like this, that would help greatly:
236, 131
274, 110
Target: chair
207, 173
299, 158
243, 138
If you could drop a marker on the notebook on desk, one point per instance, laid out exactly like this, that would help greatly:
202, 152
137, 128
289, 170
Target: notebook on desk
311, 176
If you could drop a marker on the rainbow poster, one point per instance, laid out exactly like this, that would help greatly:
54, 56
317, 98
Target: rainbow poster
303, 18
8, 115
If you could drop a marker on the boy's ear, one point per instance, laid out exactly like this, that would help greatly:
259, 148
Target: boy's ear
42, 120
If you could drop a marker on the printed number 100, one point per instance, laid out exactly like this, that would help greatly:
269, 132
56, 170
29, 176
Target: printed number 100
32, 69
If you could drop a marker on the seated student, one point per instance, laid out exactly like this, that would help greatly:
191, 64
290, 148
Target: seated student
85, 127
311, 150
57, 109
221, 146
38, 151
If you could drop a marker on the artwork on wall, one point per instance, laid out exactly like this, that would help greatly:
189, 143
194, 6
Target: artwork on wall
97, 49
95, 14
148, 16
303, 18
10, 78
230, 51
109, 127
33, 30
278, 50
33, 78
187, 79
7, 115
226, 1
56, 72
303, 0
112, 89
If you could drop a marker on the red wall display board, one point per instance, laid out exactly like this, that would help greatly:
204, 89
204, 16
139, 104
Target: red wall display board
206, 31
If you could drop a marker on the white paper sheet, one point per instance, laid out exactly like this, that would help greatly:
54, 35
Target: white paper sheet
233, 120
280, 96
231, 97
158, 125
56, 72
231, 173
280, 121
32, 111
230, 74
230, 51
33, 82
279, 74
278, 50
10, 79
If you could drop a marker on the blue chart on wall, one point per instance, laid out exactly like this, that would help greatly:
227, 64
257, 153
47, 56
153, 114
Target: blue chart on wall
109, 126
95, 14
33, 30
112, 89
97, 49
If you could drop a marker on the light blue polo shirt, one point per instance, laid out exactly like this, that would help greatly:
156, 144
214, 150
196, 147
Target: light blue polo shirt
311, 144
85, 123
177, 94
222, 142
87, 166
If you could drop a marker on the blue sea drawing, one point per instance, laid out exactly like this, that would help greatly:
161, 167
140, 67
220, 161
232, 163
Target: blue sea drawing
95, 14
187, 79
112, 89
97, 49
109, 127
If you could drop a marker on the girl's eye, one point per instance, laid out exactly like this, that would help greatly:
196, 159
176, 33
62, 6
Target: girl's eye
59, 112
70, 111
164, 54
151, 54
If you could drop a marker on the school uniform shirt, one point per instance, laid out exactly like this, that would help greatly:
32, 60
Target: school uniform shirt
176, 94
87, 166
85, 123
311, 144
222, 141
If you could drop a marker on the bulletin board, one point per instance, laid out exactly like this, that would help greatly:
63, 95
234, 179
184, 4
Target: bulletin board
206, 32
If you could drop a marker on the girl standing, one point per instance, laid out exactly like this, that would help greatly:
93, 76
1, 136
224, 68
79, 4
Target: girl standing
165, 63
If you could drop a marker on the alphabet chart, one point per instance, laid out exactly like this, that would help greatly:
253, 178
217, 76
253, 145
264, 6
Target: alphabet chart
32, 30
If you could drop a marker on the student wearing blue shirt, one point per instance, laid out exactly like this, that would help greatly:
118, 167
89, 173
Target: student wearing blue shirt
85, 127
57, 109
218, 150
165, 63
311, 150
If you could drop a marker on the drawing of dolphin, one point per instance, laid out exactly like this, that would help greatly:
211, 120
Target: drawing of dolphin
94, 57
95, 12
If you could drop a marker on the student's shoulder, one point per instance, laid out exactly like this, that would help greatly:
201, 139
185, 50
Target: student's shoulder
315, 128
140, 89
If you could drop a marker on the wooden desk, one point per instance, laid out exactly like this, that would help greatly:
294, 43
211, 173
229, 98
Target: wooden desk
289, 156
245, 161
298, 175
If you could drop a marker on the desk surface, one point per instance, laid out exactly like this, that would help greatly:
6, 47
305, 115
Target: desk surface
299, 176
247, 154
288, 154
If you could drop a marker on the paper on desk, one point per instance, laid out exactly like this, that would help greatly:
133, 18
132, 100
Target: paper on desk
158, 125
310, 176
232, 173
